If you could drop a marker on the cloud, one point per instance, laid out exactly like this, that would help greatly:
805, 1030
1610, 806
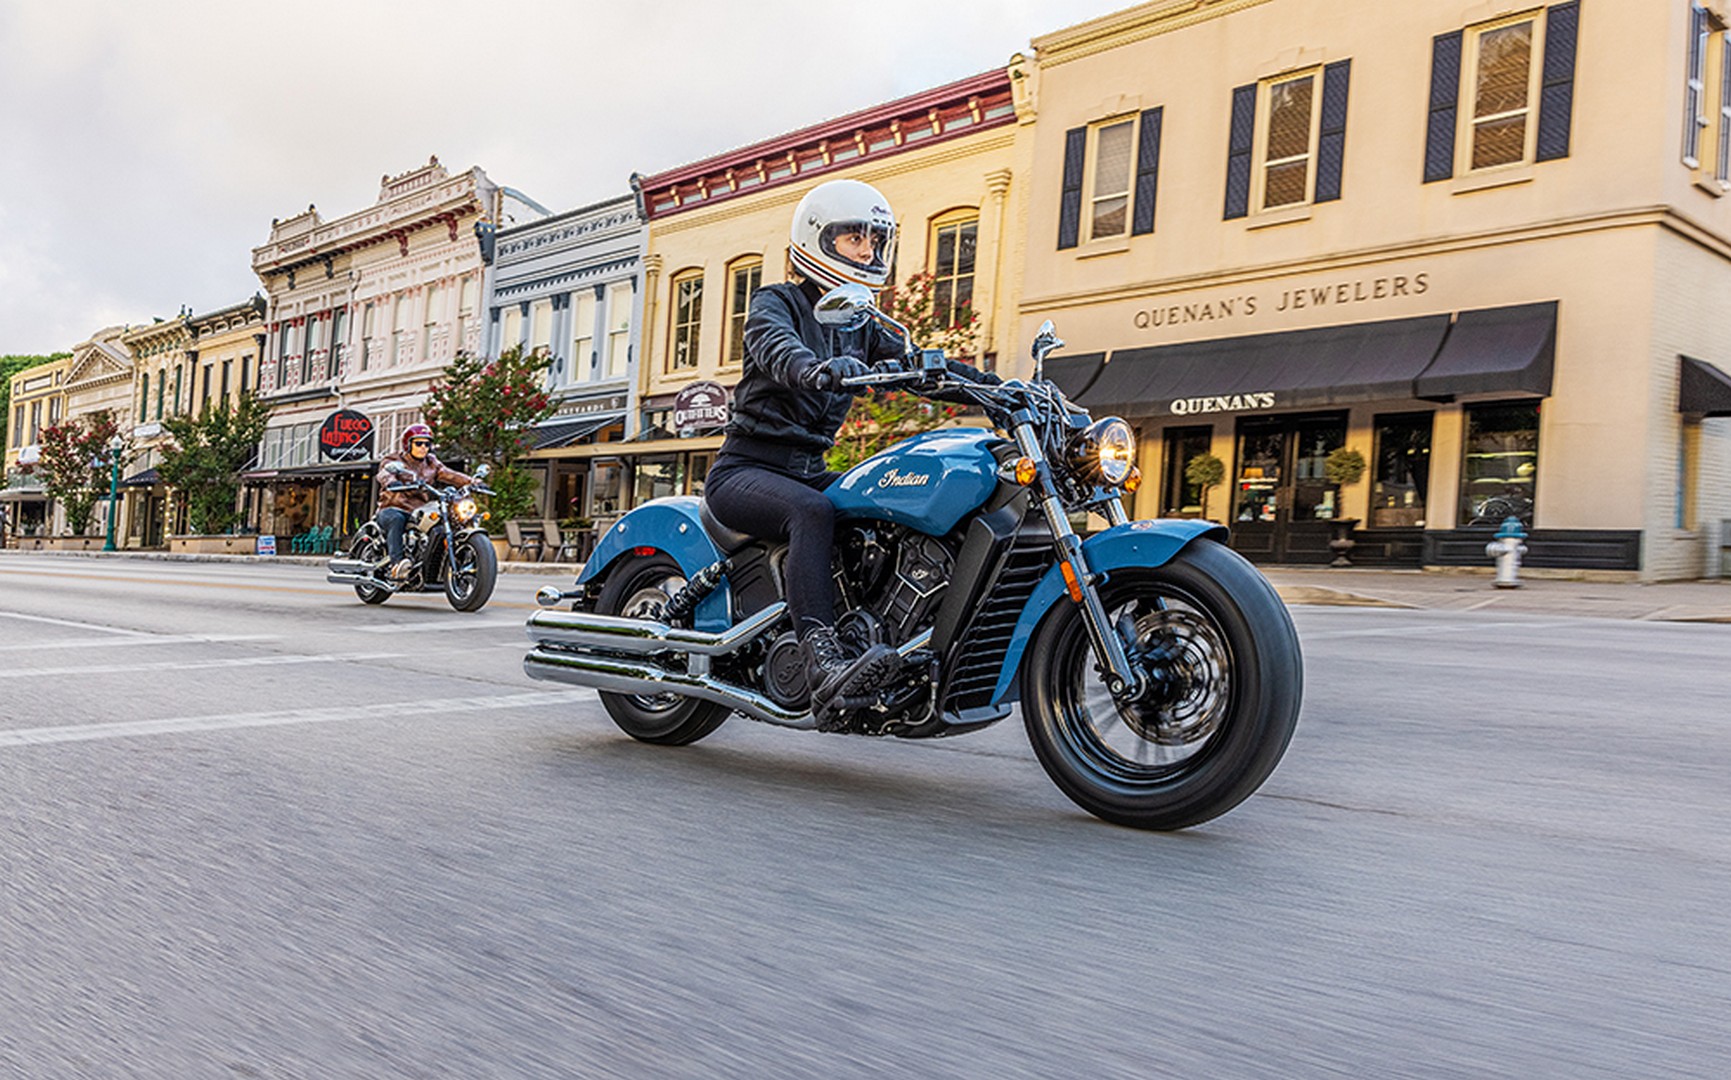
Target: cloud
148, 146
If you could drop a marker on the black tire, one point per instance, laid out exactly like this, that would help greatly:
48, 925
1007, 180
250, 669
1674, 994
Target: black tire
639, 587
371, 549
1228, 705
470, 585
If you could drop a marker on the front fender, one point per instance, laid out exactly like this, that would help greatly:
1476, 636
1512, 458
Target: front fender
670, 525
1135, 544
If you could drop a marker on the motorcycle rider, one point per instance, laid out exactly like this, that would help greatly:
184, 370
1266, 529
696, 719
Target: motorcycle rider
769, 476
395, 507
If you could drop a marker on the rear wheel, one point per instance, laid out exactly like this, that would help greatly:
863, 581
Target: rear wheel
1223, 661
371, 549
470, 584
639, 588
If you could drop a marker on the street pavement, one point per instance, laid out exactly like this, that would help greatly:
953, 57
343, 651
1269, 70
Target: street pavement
251, 827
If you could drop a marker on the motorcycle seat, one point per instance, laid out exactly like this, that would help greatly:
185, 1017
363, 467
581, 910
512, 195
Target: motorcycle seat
726, 539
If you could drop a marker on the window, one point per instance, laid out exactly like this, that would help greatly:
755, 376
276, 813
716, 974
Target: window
953, 248
512, 336
1286, 154
204, 392
687, 320
35, 420
399, 326
1695, 93
1708, 80
315, 339
224, 384
1402, 476
582, 334
1501, 463
1502, 94
606, 488
339, 324
1109, 192
465, 313
179, 371
161, 385
618, 328
244, 362
746, 278
143, 398
367, 330
18, 426
657, 478
541, 325
1180, 497
430, 321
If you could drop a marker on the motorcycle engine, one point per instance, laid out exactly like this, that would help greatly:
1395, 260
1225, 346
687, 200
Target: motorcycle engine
896, 574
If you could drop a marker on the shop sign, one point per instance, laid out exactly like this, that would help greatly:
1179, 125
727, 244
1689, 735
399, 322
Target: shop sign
700, 406
346, 435
266, 544
1224, 403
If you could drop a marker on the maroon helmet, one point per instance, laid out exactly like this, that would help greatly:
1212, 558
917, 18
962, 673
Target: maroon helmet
416, 431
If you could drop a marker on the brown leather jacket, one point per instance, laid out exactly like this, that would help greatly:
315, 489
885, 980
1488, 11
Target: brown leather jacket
430, 469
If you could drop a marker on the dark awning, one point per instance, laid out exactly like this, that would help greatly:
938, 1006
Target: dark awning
1506, 350
148, 478
1074, 374
1331, 365
565, 430
1703, 389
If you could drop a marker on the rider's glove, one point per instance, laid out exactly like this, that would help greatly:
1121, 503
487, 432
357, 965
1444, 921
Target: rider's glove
828, 374
888, 366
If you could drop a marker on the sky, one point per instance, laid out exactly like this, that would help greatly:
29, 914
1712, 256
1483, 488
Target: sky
145, 145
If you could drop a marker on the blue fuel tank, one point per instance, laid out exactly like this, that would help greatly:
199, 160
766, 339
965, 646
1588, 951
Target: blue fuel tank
929, 482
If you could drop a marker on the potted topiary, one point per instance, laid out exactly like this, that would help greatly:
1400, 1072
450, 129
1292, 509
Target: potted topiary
1205, 471
1343, 468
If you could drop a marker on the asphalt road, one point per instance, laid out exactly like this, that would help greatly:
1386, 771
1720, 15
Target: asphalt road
250, 827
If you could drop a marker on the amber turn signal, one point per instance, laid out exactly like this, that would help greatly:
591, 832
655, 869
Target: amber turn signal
1133, 481
1026, 471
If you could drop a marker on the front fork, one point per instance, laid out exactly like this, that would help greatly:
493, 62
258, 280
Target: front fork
1125, 681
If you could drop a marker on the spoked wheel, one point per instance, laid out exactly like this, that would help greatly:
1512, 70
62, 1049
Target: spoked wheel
639, 589
369, 549
1225, 677
470, 585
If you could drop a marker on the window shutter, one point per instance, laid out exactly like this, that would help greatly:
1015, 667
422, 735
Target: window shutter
1557, 96
1070, 204
1445, 93
1238, 151
1147, 172
1331, 141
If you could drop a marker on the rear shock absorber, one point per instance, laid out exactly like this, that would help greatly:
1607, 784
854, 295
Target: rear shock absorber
701, 584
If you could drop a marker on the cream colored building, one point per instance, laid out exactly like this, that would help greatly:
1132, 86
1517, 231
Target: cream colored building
38, 401
950, 162
1485, 244
163, 373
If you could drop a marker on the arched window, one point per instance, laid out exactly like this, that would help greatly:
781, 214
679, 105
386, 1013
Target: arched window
687, 320
954, 240
744, 277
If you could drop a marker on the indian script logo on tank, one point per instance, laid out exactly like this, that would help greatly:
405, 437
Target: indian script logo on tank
896, 478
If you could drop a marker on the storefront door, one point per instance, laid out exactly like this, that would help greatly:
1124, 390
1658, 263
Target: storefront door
1283, 504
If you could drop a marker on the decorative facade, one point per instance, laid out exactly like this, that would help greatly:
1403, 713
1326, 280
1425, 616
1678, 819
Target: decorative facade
38, 401
570, 285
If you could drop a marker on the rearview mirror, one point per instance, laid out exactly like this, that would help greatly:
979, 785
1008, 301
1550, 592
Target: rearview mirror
1044, 342
845, 307
483, 472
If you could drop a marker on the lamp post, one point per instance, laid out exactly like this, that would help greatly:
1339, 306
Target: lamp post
115, 445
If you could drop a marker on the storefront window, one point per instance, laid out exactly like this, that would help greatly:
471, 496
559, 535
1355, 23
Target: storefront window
1179, 497
1260, 452
1402, 475
657, 477
699, 469
1501, 463
607, 485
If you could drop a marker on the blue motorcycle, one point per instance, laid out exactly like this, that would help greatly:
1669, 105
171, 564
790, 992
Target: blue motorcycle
1158, 673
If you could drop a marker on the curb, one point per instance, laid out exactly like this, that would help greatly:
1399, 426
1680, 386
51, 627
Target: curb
564, 569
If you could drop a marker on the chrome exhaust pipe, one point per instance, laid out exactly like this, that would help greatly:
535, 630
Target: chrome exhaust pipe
354, 572
578, 629
628, 675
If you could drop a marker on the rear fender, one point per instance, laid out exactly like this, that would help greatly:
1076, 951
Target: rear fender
670, 525
1136, 544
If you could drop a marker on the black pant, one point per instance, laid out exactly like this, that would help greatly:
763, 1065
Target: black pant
394, 522
774, 505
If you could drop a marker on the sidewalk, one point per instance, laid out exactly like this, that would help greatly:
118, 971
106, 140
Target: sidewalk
1681, 601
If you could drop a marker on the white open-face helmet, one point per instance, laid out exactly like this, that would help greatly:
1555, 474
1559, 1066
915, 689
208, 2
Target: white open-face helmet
835, 208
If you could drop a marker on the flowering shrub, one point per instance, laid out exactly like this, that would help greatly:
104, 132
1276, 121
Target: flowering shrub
204, 461
486, 409
75, 464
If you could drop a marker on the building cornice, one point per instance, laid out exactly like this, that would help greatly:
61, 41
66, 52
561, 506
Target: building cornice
1131, 25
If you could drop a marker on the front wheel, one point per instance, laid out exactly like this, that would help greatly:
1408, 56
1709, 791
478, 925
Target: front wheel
639, 588
1226, 680
470, 583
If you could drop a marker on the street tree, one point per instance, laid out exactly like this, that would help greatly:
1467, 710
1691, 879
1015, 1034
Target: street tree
205, 459
76, 462
486, 410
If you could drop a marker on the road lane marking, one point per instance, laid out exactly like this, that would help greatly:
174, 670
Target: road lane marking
448, 624
126, 729
194, 665
68, 622
163, 639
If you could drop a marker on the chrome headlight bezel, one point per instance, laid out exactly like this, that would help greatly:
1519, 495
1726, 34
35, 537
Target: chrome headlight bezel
1105, 451
464, 510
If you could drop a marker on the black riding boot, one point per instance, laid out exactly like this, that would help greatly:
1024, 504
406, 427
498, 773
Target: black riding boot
833, 675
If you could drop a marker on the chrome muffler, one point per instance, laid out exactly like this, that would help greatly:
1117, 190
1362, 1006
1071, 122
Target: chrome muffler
353, 572
581, 630
629, 675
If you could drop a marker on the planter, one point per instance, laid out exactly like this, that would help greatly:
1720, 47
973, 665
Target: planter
215, 544
1343, 543
68, 543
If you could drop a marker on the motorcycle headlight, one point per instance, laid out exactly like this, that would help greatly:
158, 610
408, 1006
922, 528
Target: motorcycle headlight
464, 510
1105, 449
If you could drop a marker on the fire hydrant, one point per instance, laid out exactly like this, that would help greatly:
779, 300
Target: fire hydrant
1507, 550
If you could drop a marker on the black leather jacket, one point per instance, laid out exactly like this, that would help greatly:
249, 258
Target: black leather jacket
782, 339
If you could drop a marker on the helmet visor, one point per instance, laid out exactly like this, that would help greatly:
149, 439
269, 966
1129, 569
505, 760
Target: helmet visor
867, 247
